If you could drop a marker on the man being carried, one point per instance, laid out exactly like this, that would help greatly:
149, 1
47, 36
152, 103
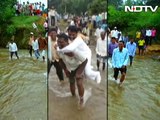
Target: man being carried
80, 49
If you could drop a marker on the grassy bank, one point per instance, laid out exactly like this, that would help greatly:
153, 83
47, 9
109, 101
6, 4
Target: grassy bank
20, 27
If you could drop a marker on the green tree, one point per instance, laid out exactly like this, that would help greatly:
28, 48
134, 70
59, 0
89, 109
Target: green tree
70, 6
153, 2
97, 6
131, 22
7, 12
116, 3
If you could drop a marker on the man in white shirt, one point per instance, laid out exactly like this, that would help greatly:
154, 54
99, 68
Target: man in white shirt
35, 46
72, 23
13, 49
73, 67
101, 50
114, 33
53, 58
52, 17
98, 32
148, 36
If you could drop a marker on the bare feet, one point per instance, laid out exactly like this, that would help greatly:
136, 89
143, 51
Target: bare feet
98, 78
120, 84
81, 104
84, 99
62, 82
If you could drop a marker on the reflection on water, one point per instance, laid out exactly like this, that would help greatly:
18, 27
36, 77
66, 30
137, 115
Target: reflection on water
23, 88
62, 106
139, 98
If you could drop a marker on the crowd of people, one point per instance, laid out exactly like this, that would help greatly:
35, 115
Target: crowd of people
36, 45
69, 51
29, 9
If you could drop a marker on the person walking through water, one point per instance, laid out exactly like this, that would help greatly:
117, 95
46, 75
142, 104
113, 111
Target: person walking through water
131, 46
101, 48
35, 46
53, 57
73, 66
13, 49
119, 61
42, 45
31, 39
80, 48
112, 45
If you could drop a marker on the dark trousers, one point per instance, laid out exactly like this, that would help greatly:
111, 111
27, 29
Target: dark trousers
15, 54
58, 68
78, 72
148, 40
131, 59
30, 50
116, 71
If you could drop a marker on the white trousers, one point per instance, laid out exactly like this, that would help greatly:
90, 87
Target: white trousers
89, 72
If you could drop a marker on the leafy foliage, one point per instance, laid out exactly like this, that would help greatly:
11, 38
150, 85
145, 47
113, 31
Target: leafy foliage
98, 6
79, 6
70, 6
131, 22
7, 11
153, 2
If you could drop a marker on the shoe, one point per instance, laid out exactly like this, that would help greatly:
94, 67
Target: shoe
98, 78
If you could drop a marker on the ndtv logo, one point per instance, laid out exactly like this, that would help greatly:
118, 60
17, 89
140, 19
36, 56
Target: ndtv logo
140, 8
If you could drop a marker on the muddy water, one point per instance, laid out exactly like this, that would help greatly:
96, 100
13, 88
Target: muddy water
23, 88
139, 98
62, 106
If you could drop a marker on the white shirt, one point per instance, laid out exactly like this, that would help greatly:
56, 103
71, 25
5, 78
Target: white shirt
71, 62
101, 47
114, 33
13, 47
93, 17
49, 48
35, 45
45, 25
109, 39
38, 6
72, 23
98, 32
79, 48
52, 52
148, 33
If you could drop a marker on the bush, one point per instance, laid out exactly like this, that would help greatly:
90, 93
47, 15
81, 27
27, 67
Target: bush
131, 22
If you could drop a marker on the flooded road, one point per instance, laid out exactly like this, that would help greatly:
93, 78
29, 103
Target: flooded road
62, 106
23, 88
139, 98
